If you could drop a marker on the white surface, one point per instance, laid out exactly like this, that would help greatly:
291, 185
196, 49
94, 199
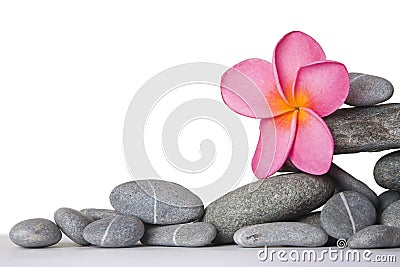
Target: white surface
69, 254
69, 69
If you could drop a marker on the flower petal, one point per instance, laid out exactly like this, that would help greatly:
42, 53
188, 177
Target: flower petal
312, 149
249, 89
322, 87
276, 139
294, 50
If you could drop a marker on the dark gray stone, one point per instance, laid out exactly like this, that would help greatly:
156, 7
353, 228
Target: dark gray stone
72, 223
281, 234
368, 90
365, 129
391, 215
346, 182
279, 198
346, 213
387, 171
97, 214
157, 202
387, 198
376, 236
180, 235
314, 219
35, 233
114, 231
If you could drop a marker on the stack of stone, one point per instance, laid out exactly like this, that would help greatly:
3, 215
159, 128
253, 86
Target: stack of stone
279, 211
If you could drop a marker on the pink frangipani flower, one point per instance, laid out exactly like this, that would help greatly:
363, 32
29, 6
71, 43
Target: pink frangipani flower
290, 96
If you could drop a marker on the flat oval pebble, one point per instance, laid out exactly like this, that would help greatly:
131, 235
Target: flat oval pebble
180, 235
97, 214
35, 233
314, 219
368, 90
391, 215
279, 198
376, 236
114, 231
346, 182
387, 198
387, 171
365, 129
346, 213
72, 223
281, 234
157, 202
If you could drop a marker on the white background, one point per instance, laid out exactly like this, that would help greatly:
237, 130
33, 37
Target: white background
69, 69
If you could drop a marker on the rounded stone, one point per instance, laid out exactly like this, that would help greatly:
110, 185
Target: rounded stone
391, 215
35, 233
278, 198
367, 90
114, 231
157, 202
346, 213
387, 171
180, 235
387, 198
72, 223
281, 234
97, 214
346, 182
376, 236
314, 219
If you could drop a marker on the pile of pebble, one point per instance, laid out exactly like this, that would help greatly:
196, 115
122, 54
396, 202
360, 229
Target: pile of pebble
279, 211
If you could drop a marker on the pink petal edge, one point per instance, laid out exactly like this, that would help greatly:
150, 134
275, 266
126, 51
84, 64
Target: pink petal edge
247, 87
295, 49
322, 86
312, 150
275, 142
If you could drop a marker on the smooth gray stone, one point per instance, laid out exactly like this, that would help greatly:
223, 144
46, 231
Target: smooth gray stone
346, 213
387, 171
281, 234
368, 90
376, 236
97, 214
365, 129
114, 231
72, 223
387, 198
278, 198
314, 219
157, 202
391, 215
346, 182
35, 233
180, 235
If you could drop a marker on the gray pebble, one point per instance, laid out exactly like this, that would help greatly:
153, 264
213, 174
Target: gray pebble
114, 231
180, 235
281, 234
346, 213
35, 233
97, 214
387, 198
157, 202
314, 219
376, 236
365, 129
387, 171
279, 198
72, 223
391, 215
368, 90
346, 182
